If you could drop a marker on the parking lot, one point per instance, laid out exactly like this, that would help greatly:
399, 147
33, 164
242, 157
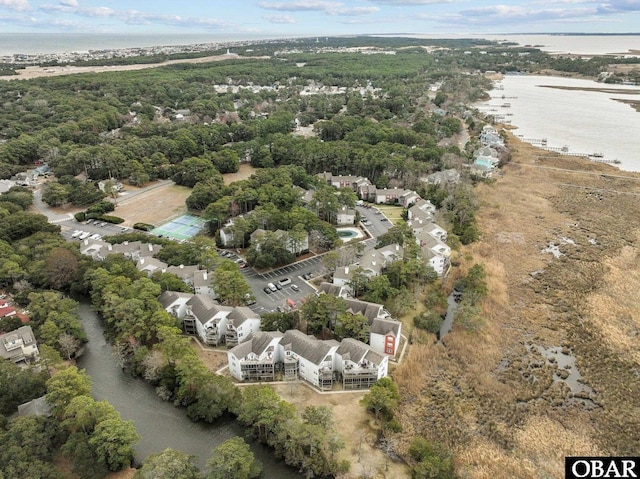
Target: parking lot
270, 302
376, 225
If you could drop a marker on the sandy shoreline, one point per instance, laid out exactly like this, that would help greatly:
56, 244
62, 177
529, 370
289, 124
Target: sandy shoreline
29, 73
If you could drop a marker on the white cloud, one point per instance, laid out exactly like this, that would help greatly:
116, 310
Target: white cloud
328, 8
408, 3
133, 17
279, 18
17, 5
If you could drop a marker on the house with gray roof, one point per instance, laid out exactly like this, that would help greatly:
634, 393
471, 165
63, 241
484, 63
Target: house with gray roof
384, 335
372, 263
175, 302
257, 358
308, 358
150, 265
359, 365
202, 283
332, 289
19, 345
185, 273
39, 407
241, 322
206, 319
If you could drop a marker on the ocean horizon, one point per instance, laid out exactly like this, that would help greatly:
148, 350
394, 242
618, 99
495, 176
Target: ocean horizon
48, 43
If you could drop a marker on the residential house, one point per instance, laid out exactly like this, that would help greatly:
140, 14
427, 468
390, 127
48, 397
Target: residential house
409, 198
359, 364
436, 253
444, 177
421, 209
257, 358
384, 335
384, 331
185, 273
175, 302
39, 407
19, 346
242, 321
150, 265
372, 263
202, 283
295, 247
206, 319
332, 290
226, 235
98, 250
428, 227
345, 216
389, 195
308, 358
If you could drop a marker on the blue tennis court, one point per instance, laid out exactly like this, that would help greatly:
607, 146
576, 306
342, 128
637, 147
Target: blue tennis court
182, 228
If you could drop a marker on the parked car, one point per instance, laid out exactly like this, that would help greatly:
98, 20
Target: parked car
278, 287
295, 287
267, 290
272, 287
384, 219
306, 276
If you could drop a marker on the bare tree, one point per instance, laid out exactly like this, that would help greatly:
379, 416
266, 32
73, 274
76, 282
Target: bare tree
69, 344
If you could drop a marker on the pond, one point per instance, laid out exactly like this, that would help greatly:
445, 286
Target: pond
159, 424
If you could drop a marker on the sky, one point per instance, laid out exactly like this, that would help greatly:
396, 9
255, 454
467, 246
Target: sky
279, 18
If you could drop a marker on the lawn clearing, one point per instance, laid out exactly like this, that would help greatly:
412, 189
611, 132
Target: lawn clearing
154, 204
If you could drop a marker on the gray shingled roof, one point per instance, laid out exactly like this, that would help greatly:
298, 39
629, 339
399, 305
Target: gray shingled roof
23, 333
368, 310
384, 326
240, 314
167, 298
204, 307
305, 346
35, 407
356, 351
256, 343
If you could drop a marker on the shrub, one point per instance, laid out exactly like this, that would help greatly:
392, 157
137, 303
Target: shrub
429, 321
143, 226
101, 208
112, 219
80, 216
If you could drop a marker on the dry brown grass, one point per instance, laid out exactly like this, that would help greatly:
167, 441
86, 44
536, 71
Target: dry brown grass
356, 427
490, 396
154, 206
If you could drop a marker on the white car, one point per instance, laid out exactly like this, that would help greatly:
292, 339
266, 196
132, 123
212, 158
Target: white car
76, 233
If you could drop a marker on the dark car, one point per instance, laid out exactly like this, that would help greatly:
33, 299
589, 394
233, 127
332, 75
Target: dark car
306, 276
267, 290
278, 287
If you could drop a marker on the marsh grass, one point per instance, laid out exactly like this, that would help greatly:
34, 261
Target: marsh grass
489, 395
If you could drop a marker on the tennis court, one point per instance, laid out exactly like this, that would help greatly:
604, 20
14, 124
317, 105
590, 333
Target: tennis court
182, 228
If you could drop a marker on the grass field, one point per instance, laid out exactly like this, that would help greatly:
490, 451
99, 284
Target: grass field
153, 206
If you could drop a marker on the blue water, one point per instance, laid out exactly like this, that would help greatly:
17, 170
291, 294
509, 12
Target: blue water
34, 43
